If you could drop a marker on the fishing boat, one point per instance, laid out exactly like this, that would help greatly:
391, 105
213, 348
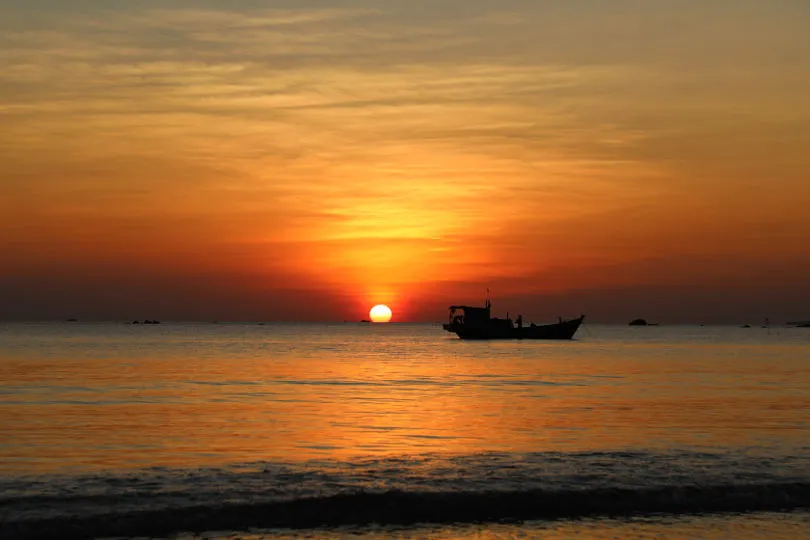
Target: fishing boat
469, 322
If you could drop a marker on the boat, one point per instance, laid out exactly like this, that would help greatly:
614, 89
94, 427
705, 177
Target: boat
469, 322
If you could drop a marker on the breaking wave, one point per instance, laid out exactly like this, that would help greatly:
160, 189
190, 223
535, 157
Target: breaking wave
401, 491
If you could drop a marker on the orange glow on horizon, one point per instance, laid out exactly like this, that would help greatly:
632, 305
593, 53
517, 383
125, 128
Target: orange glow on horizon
413, 172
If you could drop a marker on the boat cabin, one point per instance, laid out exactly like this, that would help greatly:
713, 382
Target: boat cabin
468, 315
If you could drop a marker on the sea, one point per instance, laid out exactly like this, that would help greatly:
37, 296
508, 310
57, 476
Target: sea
265, 431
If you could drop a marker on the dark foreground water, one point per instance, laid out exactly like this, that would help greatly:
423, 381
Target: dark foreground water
402, 431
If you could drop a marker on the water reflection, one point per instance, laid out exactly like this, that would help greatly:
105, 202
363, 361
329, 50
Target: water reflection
100, 397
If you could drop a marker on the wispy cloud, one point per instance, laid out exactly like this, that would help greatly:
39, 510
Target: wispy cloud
458, 131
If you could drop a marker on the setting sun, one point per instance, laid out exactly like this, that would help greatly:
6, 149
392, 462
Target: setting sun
380, 313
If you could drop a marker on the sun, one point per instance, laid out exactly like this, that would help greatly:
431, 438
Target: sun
380, 313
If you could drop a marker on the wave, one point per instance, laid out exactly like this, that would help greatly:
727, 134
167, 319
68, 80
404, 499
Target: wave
407, 508
401, 490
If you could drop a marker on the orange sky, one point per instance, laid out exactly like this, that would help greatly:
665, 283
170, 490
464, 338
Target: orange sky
295, 161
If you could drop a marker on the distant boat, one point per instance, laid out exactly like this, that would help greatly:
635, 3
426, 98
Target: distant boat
475, 323
638, 322
365, 321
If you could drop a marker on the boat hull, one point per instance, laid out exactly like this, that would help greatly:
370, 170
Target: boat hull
560, 330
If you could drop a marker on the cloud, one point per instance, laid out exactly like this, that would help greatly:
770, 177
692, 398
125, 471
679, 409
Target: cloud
394, 135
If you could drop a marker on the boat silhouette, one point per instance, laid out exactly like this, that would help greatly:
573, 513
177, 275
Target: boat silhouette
469, 322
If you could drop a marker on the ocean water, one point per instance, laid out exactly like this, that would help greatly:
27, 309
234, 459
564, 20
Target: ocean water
327, 431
